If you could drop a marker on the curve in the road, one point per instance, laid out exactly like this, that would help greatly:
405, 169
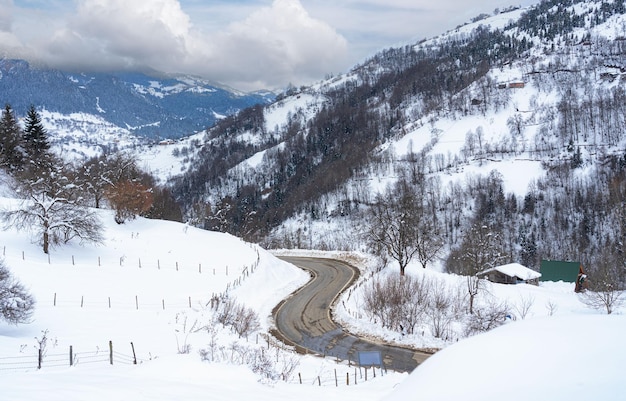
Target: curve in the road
304, 319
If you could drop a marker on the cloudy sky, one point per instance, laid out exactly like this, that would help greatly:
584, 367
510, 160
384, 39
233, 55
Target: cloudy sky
247, 44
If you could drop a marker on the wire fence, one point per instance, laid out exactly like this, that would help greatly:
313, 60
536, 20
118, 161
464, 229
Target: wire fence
125, 303
341, 376
44, 360
124, 261
108, 302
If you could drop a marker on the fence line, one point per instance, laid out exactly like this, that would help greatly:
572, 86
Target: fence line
123, 261
338, 377
41, 360
244, 273
135, 302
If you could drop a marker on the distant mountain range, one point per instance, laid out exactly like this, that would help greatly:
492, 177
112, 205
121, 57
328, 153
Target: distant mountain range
150, 105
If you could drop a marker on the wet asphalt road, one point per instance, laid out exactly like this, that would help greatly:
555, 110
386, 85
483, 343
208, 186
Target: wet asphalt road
304, 319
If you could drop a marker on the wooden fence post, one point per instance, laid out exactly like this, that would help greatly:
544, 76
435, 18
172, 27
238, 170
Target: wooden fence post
111, 352
300, 377
71, 356
55, 299
134, 355
39, 358
347, 378
336, 382
82, 299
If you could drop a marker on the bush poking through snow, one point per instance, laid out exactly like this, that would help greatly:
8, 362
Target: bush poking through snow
241, 319
16, 304
487, 317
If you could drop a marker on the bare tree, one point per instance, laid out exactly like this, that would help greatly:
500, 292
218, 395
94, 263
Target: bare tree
52, 209
129, 199
605, 286
551, 307
398, 303
439, 309
16, 304
490, 316
99, 173
524, 305
392, 231
401, 226
481, 249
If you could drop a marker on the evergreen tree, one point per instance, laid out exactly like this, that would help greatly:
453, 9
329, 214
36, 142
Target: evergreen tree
11, 153
36, 145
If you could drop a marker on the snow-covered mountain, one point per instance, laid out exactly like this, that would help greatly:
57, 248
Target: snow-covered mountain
536, 95
145, 105
461, 115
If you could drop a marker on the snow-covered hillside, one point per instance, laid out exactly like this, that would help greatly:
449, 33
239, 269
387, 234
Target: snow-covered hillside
534, 142
138, 285
150, 284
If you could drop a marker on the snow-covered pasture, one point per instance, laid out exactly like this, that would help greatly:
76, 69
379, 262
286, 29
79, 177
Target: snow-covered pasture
150, 308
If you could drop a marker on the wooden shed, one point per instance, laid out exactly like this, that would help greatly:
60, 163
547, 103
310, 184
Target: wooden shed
513, 273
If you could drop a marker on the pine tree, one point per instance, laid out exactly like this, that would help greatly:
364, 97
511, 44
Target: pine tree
11, 153
36, 145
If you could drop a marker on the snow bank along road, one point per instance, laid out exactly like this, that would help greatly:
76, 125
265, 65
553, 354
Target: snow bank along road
304, 319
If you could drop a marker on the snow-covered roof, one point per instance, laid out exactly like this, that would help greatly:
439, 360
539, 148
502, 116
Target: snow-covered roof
514, 270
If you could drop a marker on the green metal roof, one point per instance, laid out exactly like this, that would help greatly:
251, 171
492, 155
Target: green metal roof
556, 270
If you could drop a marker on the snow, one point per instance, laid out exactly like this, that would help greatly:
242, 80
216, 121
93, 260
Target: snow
559, 350
558, 358
150, 271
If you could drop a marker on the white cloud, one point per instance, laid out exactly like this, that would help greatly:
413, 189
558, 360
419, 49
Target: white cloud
273, 46
276, 45
120, 33
279, 42
6, 15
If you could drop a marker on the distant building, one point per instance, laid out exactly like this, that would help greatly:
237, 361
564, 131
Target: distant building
516, 85
511, 85
513, 273
569, 272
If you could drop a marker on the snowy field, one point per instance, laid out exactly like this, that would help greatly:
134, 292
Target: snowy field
150, 284
130, 290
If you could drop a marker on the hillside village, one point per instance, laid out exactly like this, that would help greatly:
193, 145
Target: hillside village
476, 179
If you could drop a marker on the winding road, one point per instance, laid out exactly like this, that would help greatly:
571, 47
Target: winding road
304, 319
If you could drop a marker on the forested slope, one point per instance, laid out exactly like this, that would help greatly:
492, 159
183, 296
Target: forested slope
540, 87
